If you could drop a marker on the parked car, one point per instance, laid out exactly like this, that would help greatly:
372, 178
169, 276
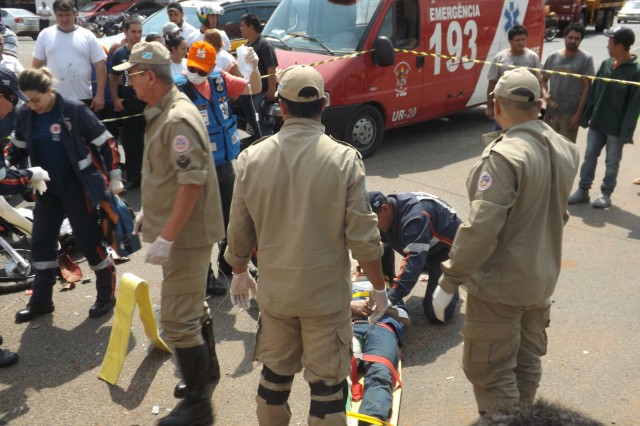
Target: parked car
629, 12
229, 21
90, 10
118, 14
22, 22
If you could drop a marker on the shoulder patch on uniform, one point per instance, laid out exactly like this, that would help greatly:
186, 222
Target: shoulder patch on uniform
484, 182
180, 143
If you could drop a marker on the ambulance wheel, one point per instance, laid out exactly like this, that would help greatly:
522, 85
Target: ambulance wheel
364, 131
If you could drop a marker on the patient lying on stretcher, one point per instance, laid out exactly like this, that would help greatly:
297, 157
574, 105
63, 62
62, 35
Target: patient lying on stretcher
376, 349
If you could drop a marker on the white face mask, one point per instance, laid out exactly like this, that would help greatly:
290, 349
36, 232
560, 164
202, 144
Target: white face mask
194, 78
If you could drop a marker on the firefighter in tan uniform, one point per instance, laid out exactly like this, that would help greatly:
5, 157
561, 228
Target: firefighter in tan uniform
508, 254
182, 218
300, 197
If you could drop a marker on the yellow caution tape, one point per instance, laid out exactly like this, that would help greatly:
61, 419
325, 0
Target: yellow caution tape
109, 120
133, 290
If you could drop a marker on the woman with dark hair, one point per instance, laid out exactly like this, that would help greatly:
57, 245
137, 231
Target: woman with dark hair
66, 139
177, 46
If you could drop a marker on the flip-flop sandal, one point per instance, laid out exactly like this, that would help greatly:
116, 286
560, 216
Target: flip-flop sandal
636, 181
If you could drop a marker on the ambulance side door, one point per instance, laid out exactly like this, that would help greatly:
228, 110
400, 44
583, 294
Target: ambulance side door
401, 83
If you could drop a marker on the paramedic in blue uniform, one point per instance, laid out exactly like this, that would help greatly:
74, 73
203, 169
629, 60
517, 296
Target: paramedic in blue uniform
420, 227
65, 138
378, 350
210, 92
14, 181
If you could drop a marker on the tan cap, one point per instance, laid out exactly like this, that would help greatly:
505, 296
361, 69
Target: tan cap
300, 83
150, 53
518, 80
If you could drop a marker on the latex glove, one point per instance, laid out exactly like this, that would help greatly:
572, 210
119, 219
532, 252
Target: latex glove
243, 289
440, 301
158, 251
39, 174
381, 303
38, 177
137, 223
115, 182
251, 57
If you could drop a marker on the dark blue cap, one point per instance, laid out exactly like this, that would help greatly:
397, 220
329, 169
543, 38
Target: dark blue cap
376, 200
9, 81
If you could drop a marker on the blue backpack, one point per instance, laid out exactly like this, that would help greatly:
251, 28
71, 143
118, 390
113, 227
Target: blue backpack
116, 222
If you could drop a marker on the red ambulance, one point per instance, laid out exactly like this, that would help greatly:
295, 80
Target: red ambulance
384, 89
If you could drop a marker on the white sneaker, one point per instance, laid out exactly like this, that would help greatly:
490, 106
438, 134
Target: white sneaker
602, 202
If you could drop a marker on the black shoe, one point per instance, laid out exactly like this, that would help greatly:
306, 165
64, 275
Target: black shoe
131, 185
101, 307
215, 287
32, 311
7, 358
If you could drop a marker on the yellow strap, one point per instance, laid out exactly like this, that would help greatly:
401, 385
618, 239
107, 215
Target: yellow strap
132, 290
369, 419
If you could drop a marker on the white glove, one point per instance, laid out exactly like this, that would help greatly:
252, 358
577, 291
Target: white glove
158, 251
38, 177
115, 182
381, 301
39, 174
137, 224
440, 301
243, 289
251, 57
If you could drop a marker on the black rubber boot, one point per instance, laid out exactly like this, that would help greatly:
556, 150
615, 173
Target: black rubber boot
195, 409
180, 391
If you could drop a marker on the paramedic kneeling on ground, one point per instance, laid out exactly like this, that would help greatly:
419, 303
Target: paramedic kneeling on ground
508, 254
305, 285
420, 227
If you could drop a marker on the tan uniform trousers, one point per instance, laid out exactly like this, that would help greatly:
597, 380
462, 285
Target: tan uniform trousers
559, 121
502, 349
183, 295
320, 344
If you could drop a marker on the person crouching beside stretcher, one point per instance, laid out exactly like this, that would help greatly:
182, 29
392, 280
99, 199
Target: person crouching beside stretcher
376, 350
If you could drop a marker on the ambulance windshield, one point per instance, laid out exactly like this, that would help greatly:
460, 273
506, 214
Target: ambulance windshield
324, 26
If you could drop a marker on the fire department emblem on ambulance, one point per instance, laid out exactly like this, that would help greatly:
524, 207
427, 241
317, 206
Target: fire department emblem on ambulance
401, 71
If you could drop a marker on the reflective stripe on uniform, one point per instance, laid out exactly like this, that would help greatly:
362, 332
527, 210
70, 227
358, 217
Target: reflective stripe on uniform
3, 173
426, 196
17, 142
417, 248
41, 266
100, 140
83, 164
105, 263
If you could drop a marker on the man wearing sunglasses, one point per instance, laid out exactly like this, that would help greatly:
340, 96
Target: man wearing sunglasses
182, 220
210, 92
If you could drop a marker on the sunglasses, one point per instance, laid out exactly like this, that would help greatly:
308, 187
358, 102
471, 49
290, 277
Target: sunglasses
197, 71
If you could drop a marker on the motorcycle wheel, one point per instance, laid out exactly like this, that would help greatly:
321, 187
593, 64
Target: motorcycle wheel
11, 281
550, 33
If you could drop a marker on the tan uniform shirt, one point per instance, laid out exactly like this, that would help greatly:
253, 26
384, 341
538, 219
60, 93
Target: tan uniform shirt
509, 250
300, 197
177, 152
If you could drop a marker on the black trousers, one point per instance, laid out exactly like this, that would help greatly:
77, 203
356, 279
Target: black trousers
133, 136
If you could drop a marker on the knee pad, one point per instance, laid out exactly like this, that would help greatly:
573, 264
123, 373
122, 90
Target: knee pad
322, 407
274, 388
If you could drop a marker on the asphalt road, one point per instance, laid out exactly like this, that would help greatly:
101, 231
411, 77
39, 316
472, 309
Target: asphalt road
593, 339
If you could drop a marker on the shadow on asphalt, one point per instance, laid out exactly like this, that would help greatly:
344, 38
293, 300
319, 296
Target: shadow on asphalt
133, 396
598, 218
425, 341
45, 372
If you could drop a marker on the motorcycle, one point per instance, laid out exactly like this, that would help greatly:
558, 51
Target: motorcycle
550, 27
16, 267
